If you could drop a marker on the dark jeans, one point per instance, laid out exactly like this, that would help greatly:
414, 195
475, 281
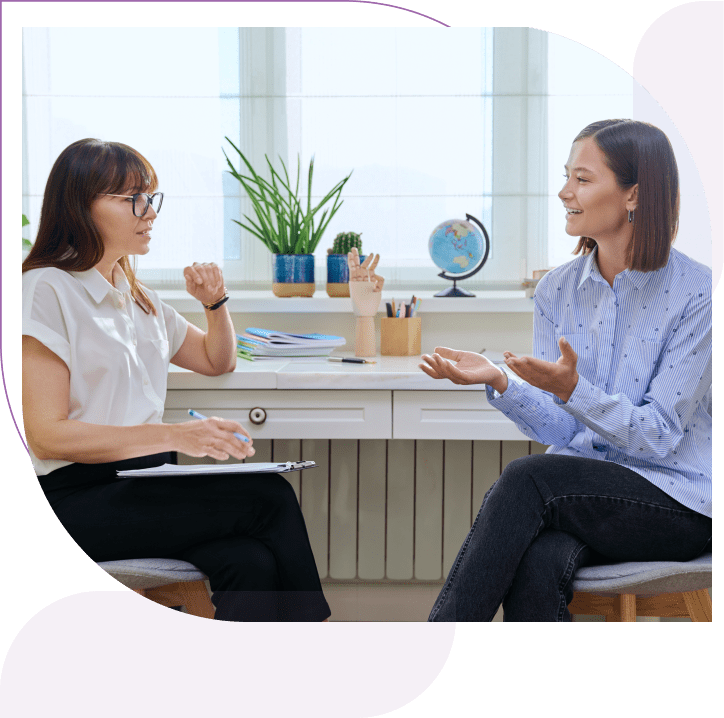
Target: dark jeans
246, 532
546, 516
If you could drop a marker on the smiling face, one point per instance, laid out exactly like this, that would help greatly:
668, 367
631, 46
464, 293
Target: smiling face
596, 206
122, 232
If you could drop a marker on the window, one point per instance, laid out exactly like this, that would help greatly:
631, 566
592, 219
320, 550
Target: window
434, 123
420, 117
583, 87
171, 93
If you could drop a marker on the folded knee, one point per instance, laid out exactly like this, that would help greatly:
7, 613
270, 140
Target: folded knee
276, 489
520, 469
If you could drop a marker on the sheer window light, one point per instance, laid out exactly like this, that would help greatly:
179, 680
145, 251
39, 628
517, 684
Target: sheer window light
584, 87
174, 107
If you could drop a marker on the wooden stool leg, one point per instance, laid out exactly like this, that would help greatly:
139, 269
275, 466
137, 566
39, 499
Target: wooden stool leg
196, 599
698, 604
627, 610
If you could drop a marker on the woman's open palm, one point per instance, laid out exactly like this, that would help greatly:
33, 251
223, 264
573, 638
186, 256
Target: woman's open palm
459, 367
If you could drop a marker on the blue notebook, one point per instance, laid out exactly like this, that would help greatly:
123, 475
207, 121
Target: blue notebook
284, 338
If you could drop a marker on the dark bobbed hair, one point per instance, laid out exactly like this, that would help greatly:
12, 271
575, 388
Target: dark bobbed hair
639, 153
67, 236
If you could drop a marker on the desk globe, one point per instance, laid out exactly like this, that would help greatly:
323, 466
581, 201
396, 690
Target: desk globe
457, 246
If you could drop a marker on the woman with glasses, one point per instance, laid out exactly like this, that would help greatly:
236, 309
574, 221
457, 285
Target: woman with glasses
619, 386
96, 352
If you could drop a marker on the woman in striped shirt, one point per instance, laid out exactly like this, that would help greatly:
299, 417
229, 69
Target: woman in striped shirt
619, 386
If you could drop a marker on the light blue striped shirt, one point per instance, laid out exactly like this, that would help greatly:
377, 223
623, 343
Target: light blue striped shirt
644, 363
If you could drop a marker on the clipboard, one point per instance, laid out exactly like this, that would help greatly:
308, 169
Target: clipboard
194, 469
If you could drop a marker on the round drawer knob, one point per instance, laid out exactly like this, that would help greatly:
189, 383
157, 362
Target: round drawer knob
257, 415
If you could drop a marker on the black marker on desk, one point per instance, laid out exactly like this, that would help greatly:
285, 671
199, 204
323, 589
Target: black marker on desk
351, 361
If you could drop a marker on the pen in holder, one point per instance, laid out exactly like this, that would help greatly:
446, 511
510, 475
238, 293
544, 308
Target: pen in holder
401, 337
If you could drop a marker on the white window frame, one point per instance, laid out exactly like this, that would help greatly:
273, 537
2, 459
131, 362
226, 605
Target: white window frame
518, 228
519, 216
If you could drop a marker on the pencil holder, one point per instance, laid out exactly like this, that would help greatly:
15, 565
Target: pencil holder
401, 337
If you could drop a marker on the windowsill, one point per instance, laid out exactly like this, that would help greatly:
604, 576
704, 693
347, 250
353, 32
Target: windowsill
255, 301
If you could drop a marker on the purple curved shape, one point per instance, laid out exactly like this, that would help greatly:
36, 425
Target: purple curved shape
680, 61
110, 653
397, 7
10, 408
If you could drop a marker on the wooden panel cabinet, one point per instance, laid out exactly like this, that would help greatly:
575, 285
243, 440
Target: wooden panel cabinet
291, 414
349, 414
449, 415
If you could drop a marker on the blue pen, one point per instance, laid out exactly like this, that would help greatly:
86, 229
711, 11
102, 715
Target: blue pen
196, 415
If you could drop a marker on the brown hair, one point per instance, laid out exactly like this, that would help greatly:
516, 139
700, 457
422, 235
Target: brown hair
639, 153
67, 236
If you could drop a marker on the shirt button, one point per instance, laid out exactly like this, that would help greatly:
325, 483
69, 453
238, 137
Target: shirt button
145, 382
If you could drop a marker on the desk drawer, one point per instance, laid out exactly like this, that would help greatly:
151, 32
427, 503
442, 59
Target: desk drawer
449, 415
292, 414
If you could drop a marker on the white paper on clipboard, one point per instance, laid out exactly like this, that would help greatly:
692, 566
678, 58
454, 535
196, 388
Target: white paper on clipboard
192, 469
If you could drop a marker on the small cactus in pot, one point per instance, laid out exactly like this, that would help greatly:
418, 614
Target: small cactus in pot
344, 242
337, 269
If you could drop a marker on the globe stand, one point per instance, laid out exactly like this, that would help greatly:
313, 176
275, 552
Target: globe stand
455, 291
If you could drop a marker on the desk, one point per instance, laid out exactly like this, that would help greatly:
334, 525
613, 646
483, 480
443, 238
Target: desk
403, 463
317, 399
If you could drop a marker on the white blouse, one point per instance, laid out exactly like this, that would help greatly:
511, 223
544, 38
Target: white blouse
118, 355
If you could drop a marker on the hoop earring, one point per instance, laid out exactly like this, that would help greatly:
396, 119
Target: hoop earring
630, 216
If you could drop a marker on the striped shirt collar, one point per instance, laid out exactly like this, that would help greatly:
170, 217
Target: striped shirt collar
591, 271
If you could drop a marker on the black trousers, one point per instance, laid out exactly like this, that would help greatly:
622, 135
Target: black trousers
246, 532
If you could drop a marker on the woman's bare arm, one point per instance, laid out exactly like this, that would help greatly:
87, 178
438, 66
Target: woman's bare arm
212, 352
51, 435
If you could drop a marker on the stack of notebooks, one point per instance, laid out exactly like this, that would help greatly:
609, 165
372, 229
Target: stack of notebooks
267, 344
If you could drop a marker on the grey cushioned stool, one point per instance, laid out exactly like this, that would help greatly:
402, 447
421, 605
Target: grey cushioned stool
167, 581
622, 591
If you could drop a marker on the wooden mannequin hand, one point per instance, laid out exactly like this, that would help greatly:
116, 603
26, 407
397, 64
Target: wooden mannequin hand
365, 300
364, 272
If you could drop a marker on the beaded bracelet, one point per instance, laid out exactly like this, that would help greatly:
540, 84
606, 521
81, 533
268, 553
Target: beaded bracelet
216, 305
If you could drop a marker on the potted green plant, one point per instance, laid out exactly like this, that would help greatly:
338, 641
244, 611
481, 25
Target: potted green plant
27, 244
288, 227
337, 268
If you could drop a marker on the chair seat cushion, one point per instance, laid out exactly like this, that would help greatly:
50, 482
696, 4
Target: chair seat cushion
151, 572
645, 578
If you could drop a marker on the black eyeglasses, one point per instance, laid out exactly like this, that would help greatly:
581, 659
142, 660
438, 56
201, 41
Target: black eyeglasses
141, 201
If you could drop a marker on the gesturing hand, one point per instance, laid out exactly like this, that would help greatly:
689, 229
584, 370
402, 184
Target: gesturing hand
559, 378
366, 271
211, 437
204, 282
463, 368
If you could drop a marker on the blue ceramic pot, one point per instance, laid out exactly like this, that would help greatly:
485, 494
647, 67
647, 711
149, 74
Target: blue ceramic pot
293, 275
338, 275
337, 268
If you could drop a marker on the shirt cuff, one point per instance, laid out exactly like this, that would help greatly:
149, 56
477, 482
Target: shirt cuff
584, 396
513, 396
46, 336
